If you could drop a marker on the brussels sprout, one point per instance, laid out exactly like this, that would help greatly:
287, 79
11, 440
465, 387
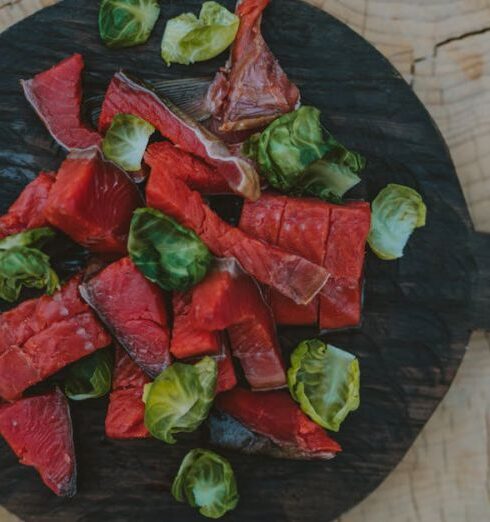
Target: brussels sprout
126, 141
188, 39
90, 377
167, 253
23, 266
206, 480
180, 398
124, 23
35, 237
324, 380
294, 156
396, 212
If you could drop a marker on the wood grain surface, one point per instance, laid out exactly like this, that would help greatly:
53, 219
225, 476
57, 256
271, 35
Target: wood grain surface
442, 48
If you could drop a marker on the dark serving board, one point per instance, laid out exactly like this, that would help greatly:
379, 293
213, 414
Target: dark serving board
419, 311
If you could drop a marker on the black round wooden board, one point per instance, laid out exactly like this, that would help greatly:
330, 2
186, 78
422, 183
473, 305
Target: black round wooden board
418, 311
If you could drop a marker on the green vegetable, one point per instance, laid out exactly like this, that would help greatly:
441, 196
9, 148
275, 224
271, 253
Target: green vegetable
90, 377
167, 253
206, 480
325, 382
35, 237
396, 212
126, 141
294, 156
124, 23
188, 39
180, 398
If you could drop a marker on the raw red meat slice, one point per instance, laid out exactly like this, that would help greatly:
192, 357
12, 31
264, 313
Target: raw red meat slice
276, 416
93, 201
39, 431
252, 90
42, 336
56, 96
193, 171
226, 372
126, 411
27, 211
134, 310
290, 274
126, 96
341, 298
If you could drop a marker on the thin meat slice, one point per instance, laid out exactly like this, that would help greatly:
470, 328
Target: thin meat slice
92, 201
227, 379
39, 431
197, 174
134, 310
292, 275
126, 96
126, 411
252, 90
275, 416
27, 211
56, 96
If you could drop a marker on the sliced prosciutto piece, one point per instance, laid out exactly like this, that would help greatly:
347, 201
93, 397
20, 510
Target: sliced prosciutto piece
27, 211
56, 96
283, 429
126, 411
42, 336
126, 96
92, 201
197, 174
252, 90
227, 379
39, 431
229, 299
134, 310
292, 275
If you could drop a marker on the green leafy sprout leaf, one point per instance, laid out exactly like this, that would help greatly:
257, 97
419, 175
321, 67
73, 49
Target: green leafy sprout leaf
188, 39
396, 212
324, 380
34, 238
207, 482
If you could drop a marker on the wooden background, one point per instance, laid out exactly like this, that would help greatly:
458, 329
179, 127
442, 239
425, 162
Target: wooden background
442, 47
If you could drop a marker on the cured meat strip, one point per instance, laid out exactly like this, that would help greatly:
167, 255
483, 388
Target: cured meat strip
133, 309
39, 431
56, 96
44, 335
226, 372
92, 201
197, 174
277, 417
292, 275
27, 211
126, 96
252, 90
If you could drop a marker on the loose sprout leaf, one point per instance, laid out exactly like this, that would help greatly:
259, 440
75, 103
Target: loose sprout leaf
206, 481
295, 157
165, 252
324, 380
90, 377
35, 237
188, 39
180, 398
396, 212
124, 23
126, 140
23, 266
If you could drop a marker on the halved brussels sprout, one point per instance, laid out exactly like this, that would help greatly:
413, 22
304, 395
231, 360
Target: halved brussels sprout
90, 377
396, 212
34, 238
124, 23
167, 253
180, 398
188, 39
324, 380
126, 140
206, 480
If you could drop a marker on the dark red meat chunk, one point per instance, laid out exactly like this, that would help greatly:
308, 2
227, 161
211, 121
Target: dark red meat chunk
39, 431
56, 96
93, 201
